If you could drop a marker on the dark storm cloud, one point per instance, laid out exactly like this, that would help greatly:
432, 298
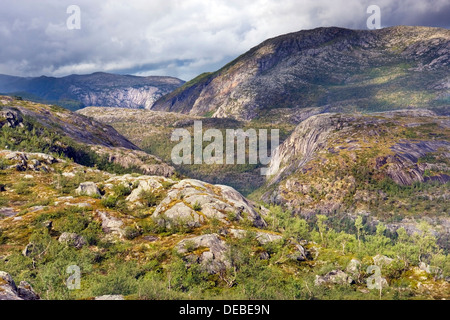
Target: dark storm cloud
174, 37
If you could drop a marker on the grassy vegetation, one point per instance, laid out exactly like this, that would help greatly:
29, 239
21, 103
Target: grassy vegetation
160, 273
34, 137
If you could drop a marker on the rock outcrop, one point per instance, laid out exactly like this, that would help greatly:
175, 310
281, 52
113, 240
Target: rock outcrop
88, 189
9, 290
208, 250
191, 202
334, 277
72, 239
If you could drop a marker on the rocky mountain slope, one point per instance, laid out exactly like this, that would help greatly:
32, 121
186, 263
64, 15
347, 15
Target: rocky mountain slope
98, 89
37, 127
152, 131
393, 167
330, 69
150, 237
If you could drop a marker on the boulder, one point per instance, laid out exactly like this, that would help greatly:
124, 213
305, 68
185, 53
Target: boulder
9, 290
381, 261
10, 118
72, 239
180, 213
111, 224
88, 189
299, 253
149, 184
436, 271
110, 297
333, 277
26, 292
212, 258
262, 237
215, 202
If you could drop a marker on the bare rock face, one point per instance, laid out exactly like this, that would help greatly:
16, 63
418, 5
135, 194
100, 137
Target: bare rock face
191, 202
318, 68
328, 160
9, 290
403, 167
213, 255
308, 138
97, 89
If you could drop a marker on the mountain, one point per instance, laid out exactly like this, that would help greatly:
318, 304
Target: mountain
135, 236
331, 69
98, 89
392, 167
350, 192
34, 127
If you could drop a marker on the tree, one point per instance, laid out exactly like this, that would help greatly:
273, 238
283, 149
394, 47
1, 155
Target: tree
322, 227
359, 229
343, 239
425, 242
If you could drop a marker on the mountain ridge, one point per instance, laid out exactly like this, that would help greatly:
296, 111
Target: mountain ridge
326, 67
97, 89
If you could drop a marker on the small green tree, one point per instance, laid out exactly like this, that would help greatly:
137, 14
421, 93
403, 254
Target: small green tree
322, 227
359, 229
343, 239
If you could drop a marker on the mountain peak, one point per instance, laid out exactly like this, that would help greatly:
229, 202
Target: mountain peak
336, 68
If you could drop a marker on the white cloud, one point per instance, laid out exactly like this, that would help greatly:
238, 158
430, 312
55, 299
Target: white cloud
173, 37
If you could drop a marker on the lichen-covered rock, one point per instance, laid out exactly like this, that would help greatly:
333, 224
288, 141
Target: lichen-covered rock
88, 189
9, 290
26, 292
28, 250
333, 277
381, 261
111, 224
212, 257
72, 239
10, 118
144, 184
110, 297
192, 202
262, 237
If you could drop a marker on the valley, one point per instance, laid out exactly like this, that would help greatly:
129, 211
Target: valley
360, 180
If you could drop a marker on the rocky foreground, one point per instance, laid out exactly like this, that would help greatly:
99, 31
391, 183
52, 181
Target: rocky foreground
54, 206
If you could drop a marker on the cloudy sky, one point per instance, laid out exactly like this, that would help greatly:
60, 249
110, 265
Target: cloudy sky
180, 38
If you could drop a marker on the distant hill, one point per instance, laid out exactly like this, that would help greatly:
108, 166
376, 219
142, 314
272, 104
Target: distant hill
98, 89
333, 69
